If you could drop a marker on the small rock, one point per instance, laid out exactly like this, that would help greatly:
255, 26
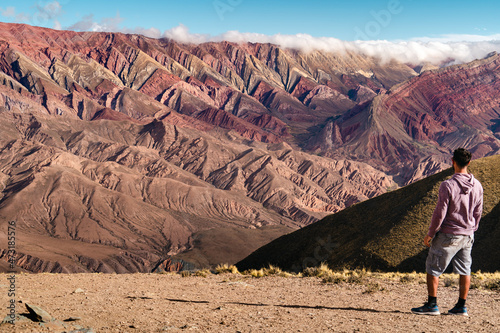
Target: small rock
78, 291
146, 296
38, 314
18, 319
53, 325
83, 330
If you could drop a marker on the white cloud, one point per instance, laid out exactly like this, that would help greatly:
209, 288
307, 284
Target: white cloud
181, 34
22, 17
111, 24
8, 12
57, 25
43, 14
47, 12
458, 48
50, 10
437, 50
87, 23
151, 32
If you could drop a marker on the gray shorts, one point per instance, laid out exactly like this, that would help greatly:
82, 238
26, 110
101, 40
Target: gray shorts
448, 248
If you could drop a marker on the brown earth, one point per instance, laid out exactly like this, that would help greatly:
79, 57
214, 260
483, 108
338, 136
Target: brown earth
235, 303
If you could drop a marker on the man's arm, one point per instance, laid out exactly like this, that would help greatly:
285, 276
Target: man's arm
427, 240
439, 212
478, 210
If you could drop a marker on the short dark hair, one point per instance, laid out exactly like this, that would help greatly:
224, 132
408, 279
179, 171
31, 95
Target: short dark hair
462, 157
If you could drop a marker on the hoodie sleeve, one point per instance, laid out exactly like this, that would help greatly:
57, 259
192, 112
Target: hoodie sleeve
478, 209
440, 210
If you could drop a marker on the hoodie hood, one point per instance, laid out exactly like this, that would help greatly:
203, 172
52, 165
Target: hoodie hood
465, 181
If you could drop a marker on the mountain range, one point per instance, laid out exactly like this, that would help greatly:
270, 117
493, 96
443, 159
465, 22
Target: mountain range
119, 151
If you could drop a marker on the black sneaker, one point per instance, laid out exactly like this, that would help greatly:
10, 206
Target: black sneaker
458, 311
427, 309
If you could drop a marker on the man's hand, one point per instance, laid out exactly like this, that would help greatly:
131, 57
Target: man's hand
427, 240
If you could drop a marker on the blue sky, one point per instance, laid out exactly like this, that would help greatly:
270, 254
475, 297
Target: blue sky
410, 31
346, 20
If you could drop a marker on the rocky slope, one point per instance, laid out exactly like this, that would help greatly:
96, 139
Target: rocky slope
117, 195
422, 119
336, 104
275, 90
128, 150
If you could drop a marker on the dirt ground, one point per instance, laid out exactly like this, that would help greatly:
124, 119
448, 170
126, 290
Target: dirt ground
235, 303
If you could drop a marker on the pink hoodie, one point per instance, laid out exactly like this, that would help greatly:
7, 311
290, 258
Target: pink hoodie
459, 206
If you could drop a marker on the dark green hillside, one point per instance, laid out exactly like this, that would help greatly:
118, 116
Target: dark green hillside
386, 232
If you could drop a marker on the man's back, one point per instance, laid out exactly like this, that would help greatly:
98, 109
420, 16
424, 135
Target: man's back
459, 206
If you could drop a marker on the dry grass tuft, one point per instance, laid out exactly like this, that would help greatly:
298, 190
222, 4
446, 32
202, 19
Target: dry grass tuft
271, 270
450, 280
255, 273
321, 271
488, 281
493, 285
373, 287
334, 278
226, 268
203, 272
287, 274
348, 276
479, 280
410, 277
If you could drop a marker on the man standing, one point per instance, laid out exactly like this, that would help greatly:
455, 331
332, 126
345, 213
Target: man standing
452, 228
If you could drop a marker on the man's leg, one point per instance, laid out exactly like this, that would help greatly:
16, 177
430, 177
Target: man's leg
429, 308
462, 264
460, 308
437, 261
432, 285
464, 286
